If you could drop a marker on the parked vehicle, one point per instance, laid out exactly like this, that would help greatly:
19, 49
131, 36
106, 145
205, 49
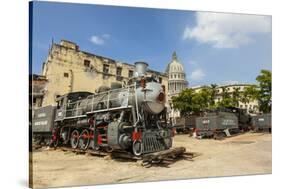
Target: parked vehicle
262, 122
216, 123
213, 121
186, 124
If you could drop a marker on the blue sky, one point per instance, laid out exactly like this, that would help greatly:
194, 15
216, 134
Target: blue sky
214, 48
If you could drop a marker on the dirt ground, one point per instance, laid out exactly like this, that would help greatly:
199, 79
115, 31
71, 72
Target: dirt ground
249, 153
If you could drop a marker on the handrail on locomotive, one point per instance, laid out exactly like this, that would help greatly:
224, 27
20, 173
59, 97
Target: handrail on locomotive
130, 91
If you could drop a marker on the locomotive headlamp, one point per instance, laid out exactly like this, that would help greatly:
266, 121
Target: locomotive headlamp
161, 97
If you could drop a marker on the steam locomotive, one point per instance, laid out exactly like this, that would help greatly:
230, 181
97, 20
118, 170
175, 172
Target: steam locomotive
131, 118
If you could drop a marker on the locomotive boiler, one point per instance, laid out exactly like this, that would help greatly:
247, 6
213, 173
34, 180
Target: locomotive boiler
131, 117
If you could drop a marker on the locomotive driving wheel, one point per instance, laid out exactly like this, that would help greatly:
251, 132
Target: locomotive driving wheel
137, 147
84, 139
55, 143
74, 139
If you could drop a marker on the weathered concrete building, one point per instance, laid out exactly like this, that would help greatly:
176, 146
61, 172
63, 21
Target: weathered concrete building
68, 69
251, 106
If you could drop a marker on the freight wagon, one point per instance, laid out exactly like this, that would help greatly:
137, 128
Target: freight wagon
185, 124
216, 124
43, 123
262, 122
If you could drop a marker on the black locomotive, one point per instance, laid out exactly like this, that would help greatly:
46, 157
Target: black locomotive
130, 118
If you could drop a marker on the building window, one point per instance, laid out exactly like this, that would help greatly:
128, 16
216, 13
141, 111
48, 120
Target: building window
241, 106
106, 68
119, 74
105, 71
160, 79
87, 63
131, 73
119, 71
65, 74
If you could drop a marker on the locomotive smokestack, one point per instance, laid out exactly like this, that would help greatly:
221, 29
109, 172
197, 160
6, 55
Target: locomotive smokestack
140, 69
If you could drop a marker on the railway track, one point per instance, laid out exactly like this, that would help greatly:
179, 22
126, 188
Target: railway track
161, 158
227, 134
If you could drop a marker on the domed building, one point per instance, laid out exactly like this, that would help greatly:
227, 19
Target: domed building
176, 83
176, 74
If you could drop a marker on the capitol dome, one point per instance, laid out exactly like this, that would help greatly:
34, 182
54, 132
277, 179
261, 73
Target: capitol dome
175, 66
175, 70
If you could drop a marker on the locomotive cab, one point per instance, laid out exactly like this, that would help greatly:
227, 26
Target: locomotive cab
244, 119
66, 104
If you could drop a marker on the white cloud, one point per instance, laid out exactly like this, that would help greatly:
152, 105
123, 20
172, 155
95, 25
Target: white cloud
192, 62
105, 36
99, 40
225, 30
197, 74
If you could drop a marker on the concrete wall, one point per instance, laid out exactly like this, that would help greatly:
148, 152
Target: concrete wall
68, 69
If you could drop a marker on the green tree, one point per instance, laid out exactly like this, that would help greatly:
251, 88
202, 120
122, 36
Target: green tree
213, 91
245, 98
249, 93
183, 102
189, 101
206, 95
236, 95
226, 100
264, 94
201, 100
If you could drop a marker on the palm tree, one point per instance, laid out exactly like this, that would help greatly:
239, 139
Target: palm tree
265, 90
245, 98
214, 93
236, 94
226, 98
250, 93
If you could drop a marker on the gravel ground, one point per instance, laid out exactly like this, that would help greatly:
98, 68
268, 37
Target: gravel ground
245, 154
